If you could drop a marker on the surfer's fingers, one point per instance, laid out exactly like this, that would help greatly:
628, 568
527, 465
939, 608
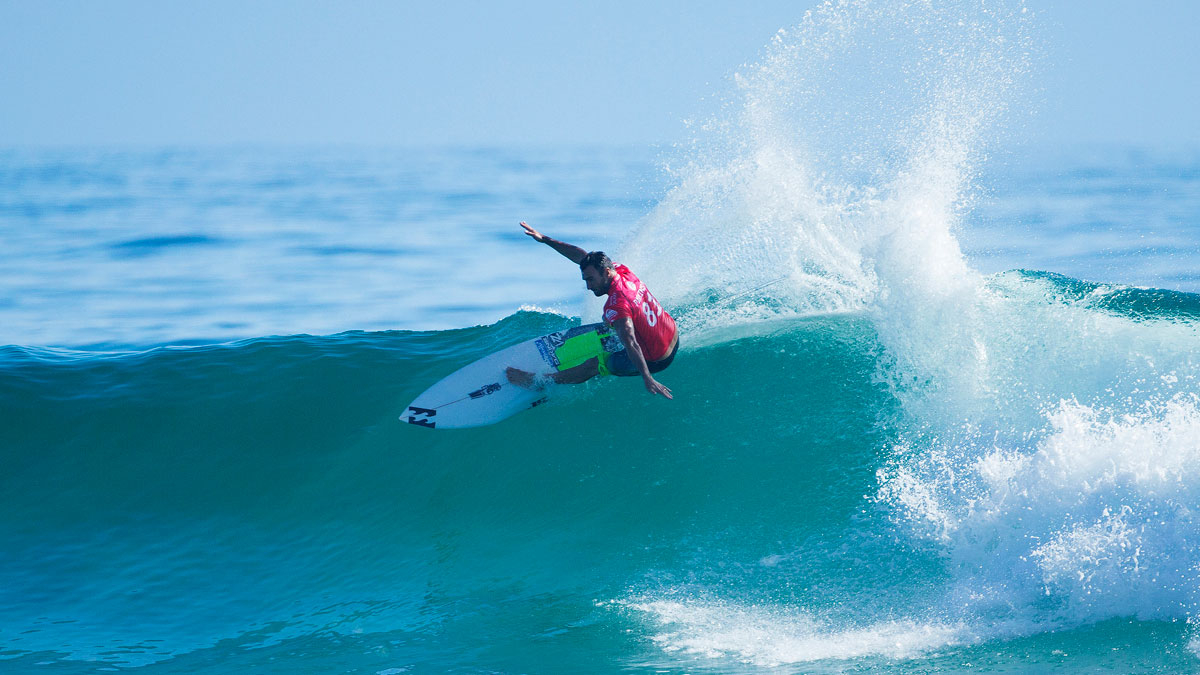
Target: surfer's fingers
658, 388
531, 232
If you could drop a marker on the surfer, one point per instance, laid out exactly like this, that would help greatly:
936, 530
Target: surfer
646, 330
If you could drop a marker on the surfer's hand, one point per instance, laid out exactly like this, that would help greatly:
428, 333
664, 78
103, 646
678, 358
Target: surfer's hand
537, 236
655, 387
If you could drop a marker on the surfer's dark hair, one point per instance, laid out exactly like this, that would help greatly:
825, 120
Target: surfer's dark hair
597, 259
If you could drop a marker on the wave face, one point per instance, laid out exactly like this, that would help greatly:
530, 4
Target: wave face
243, 502
254, 501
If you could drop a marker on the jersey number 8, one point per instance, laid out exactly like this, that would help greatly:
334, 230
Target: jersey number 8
651, 309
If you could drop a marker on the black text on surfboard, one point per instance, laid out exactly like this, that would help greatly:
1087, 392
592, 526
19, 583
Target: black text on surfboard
485, 390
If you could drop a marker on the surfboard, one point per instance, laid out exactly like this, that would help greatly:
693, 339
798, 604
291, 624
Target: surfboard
479, 393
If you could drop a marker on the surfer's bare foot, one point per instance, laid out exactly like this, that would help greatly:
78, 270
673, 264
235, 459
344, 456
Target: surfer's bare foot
521, 378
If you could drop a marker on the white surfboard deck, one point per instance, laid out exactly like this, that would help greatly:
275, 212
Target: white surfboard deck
479, 393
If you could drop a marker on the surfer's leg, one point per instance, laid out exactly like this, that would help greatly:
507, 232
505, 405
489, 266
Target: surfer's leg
580, 373
521, 378
577, 374
621, 365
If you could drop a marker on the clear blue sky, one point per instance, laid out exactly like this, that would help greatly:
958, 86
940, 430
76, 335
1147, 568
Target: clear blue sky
155, 72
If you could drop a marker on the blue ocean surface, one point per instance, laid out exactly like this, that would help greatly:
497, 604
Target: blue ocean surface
937, 407
128, 247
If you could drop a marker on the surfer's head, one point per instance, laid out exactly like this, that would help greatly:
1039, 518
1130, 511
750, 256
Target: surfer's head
597, 269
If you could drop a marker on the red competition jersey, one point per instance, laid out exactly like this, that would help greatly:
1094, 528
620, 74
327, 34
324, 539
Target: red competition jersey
652, 326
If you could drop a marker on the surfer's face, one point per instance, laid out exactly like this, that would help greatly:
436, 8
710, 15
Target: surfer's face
596, 280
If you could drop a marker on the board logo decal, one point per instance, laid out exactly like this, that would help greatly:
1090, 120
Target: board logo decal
485, 390
426, 421
547, 351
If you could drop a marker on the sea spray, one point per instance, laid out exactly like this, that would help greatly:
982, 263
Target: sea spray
852, 142
845, 160
855, 193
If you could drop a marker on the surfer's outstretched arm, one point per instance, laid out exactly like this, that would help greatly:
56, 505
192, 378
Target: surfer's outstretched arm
569, 251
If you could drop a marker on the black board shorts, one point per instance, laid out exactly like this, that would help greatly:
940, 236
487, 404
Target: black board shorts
619, 363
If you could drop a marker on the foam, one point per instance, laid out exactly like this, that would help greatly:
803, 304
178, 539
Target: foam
773, 636
1099, 516
556, 310
1093, 518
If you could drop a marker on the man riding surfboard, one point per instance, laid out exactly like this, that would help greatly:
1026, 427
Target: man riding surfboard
646, 330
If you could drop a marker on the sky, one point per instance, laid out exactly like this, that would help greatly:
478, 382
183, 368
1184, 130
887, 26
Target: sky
455, 72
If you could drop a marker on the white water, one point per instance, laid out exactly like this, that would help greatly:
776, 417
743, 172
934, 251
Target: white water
774, 636
1048, 449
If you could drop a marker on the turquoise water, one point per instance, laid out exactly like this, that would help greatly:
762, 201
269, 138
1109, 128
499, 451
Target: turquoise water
258, 505
937, 408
